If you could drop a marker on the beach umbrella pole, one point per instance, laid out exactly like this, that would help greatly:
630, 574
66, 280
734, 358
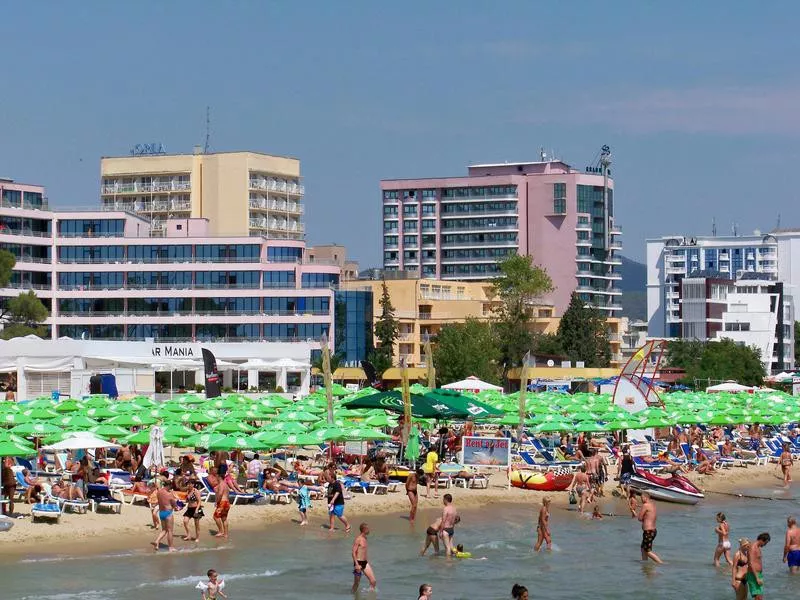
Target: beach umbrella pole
406, 433
326, 372
523, 389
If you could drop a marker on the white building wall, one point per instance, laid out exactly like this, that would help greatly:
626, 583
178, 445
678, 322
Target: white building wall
655, 288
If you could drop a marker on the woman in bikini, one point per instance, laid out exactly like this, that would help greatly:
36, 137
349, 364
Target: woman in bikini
786, 465
739, 570
413, 495
193, 511
723, 531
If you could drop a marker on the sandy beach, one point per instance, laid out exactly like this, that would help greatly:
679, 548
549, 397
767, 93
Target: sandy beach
103, 532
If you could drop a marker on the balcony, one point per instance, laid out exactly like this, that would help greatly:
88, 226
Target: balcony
675, 270
583, 227
147, 188
25, 232
25, 204
274, 185
615, 245
584, 243
615, 230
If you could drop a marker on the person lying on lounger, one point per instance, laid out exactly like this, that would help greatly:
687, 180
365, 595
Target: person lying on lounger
67, 491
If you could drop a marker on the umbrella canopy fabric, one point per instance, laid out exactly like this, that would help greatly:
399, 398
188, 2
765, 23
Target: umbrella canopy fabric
472, 384
154, 457
14, 449
421, 406
81, 441
463, 404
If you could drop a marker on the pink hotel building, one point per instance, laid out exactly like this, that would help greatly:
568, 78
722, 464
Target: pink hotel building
459, 227
104, 276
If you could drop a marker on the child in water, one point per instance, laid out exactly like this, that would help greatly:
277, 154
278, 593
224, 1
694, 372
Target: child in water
303, 503
212, 589
460, 552
596, 514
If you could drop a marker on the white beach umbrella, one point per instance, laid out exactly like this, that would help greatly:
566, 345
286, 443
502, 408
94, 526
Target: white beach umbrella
81, 440
155, 452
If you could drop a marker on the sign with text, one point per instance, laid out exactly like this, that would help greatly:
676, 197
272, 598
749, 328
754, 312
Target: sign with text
486, 451
355, 448
180, 351
640, 450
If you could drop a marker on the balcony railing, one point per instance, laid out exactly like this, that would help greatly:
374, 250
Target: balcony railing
277, 186
25, 232
43, 205
192, 313
21, 285
133, 188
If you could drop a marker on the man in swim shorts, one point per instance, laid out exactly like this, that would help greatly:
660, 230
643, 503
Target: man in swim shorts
754, 578
647, 515
167, 503
448, 527
222, 504
361, 564
791, 549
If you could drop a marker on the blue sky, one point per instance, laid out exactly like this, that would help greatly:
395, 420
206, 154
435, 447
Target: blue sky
699, 101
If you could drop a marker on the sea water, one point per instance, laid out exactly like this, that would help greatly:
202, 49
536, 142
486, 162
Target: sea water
590, 559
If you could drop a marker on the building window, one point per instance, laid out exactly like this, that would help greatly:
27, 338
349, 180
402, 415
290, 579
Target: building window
390, 195
279, 279
390, 211
560, 198
319, 280
410, 210
91, 227
284, 254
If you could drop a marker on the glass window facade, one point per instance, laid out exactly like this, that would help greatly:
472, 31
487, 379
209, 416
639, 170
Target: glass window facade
479, 223
159, 279
91, 227
88, 306
12, 197
319, 305
353, 319
560, 198
471, 270
228, 252
478, 238
160, 254
279, 279
137, 306
319, 280
478, 208
284, 254
97, 332
90, 281
227, 279
490, 254
390, 241
228, 305
479, 192
90, 254
295, 331
25, 252
25, 226
163, 332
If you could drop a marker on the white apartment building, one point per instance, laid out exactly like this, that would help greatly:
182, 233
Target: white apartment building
671, 259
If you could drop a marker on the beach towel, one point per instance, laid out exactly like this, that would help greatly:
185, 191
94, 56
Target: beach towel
303, 498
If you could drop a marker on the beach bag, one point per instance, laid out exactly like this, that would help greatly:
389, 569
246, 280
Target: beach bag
573, 498
199, 514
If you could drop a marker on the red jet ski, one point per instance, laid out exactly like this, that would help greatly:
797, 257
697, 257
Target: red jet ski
673, 488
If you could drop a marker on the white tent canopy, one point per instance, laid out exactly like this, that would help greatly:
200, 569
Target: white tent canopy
81, 440
729, 386
471, 384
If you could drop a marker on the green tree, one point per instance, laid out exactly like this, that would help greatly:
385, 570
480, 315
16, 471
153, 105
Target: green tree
464, 349
387, 330
582, 333
518, 285
7, 262
23, 316
336, 362
716, 361
548, 343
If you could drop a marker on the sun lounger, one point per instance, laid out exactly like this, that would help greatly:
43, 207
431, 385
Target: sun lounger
234, 497
276, 497
46, 510
547, 462
75, 506
365, 487
99, 496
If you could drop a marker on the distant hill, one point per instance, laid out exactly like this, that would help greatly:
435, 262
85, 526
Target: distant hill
634, 290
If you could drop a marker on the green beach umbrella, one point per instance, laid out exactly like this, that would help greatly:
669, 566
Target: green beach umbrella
231, 442
14, 449
359, 434
553, 426
201, 440
288, 426
77, 422
97, 401
380, 421
201, 418
38, 429
68, 406
656, 421
124, 408
42, 414
297, 415
100, 412
10, 419
131, 420
589, 427
108, 430
619, 424
231, 427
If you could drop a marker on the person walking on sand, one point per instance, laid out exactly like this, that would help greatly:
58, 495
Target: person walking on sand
336, 505
739, 569
361, 564
448, 529
167, 503
786, 465
582, 487
755, 567
412, 493
543, 526
791, 548
723, 531
431, 470
222, 503
193, 512
647, 515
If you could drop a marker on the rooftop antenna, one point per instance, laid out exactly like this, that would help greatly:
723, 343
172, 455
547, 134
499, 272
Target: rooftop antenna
208, 130
778, 225
542, 154
735, 229
713, 227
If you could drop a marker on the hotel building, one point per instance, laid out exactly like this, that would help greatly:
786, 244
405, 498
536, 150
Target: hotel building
110, 276
457, 228
774, 256
240, 193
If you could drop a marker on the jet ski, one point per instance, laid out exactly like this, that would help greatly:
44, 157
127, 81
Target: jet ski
673, 488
